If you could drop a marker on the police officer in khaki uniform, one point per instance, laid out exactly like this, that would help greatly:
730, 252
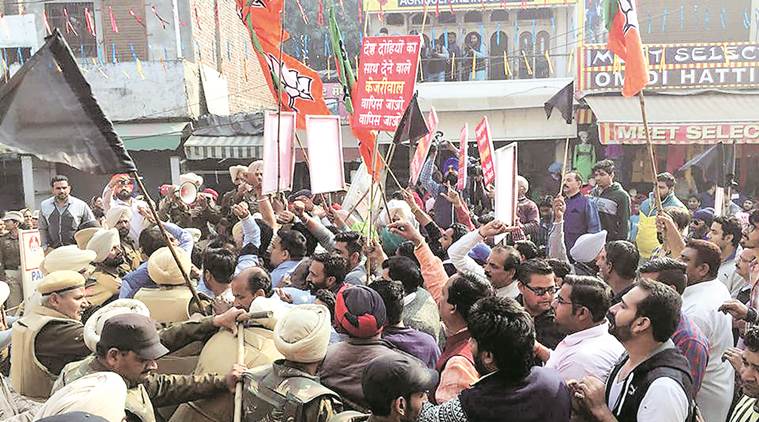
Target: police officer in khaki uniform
10, 257
220, 354
290, 387
49, 335
171, 301
107, 246
129, 345
119, 218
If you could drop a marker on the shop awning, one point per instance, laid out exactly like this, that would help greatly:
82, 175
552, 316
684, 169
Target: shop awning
150, 136
223, 147
251, 147
678, 119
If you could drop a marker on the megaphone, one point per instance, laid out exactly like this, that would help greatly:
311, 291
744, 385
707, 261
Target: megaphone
187, 193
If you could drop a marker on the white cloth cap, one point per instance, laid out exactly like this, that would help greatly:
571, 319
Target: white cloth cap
588, 246
117, 213
94, 325
236, 171
102, 242
302, 334
101, 394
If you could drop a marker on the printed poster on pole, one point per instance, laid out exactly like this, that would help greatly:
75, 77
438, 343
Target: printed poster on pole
386, 79
31, 260
279, 158
506, 185
485, 146
423, 147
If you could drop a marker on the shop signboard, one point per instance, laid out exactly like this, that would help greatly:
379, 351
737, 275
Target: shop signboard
730, 65
447, 5
680, 133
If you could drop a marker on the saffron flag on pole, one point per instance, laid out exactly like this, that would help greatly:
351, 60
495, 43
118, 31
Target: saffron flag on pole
624, 41
301, 87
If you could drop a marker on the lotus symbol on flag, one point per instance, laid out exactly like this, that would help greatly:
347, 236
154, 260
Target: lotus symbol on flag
631, 19
256, 3
295, 85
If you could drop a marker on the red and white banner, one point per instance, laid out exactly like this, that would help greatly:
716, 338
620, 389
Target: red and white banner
386, 80
423, 148
463, 157
279, 159
680, 133
485, 146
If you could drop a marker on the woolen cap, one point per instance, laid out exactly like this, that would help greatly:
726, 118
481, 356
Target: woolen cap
360, 311
68, 257
82, 237
133, 332
395, 375
163, 269
60, 281
102, 242
302, 334
588, 246
14, 215
116, 214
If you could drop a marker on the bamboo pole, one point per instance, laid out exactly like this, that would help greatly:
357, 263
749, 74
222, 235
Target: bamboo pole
240, 361
564, 167
651, 154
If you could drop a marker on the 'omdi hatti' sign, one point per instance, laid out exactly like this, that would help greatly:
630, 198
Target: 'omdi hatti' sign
681, 66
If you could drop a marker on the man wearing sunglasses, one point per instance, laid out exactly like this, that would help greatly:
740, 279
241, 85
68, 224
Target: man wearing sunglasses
537, 287
119, 193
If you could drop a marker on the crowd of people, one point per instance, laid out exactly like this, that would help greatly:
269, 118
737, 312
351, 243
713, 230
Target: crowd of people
429, 310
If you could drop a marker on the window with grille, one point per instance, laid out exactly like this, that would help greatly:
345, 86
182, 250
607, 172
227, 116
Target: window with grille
71, 19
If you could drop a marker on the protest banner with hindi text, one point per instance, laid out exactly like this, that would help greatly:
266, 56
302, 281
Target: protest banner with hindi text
485, 146
423, 148
386, 78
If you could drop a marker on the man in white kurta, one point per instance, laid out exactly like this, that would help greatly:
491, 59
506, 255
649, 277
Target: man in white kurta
701, 300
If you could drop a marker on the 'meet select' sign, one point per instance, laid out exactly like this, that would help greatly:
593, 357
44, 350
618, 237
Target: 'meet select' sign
672, 134
671, 67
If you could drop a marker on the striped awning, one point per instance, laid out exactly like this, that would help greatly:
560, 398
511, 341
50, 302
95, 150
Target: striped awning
223, 147
678, 119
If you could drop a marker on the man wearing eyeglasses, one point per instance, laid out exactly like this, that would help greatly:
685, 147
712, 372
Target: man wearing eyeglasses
580, 307
537, 287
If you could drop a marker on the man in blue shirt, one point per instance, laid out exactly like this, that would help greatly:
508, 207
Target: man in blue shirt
288, 248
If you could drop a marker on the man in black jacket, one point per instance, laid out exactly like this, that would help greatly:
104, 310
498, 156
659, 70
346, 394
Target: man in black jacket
652, 382
612, 201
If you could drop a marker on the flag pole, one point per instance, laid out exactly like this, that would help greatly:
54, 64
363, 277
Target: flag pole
279, 95
370, 223
169, 244
564, 167
651, 154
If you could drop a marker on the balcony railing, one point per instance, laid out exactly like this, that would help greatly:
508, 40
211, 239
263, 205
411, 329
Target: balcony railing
491, 68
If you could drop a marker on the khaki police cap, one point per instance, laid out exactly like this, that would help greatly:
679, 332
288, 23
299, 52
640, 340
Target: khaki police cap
60, 281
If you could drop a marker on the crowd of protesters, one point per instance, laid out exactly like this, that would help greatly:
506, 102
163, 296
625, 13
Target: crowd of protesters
433, 311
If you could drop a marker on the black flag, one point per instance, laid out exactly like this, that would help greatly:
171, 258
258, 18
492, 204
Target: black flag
47, 110
563, 100
714, 164
412, 126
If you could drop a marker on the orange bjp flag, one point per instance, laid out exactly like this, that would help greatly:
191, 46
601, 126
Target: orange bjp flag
624, 41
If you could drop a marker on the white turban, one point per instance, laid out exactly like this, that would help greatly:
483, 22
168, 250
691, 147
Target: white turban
302, 335
588, 246
103, 242
116, 214
163, 269
101, 394
68, 257
94, 325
